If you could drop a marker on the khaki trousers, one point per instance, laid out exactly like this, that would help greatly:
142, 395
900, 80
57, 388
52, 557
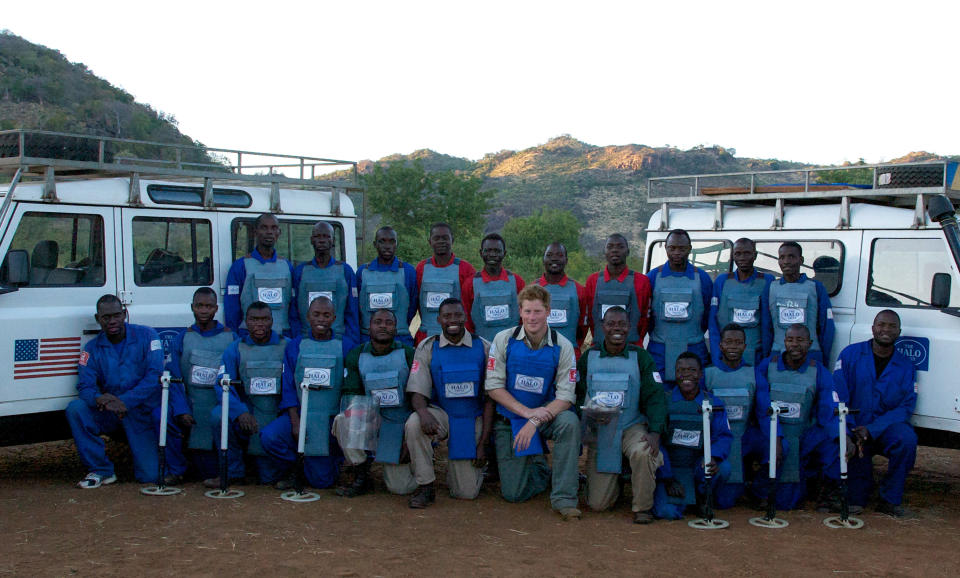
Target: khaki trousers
603, 489
463, 479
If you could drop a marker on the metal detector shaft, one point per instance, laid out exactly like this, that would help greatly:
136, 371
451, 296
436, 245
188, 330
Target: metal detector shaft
707, 410
224, 427
164, 404
302, 437
772, 472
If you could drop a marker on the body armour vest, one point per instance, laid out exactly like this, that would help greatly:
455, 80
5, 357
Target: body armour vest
270, 283
385, 379
199, 365
795, 392
678, 313
437, 284
457, 374
740, 303
320, 363
531, 377
326, 282
564, 309
792, 303
737, 389
384, 290
261, 371
614, 381
613, 292
685, 443
494, 306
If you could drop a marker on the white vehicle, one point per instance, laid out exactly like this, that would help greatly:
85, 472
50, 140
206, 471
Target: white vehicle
873, 245
82, 217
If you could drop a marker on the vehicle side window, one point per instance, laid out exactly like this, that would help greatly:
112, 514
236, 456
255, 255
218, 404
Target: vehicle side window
711, 256
65, 250
901, 272
172, 251
294, 243
822, 261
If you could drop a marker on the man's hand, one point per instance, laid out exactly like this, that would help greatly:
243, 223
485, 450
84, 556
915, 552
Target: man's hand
712, 467
481, 460
852, 448
185, 420
115, 406
295, 424
674, 488
247, 423
541, 413
653, 440
104, 400
524, 436
429, 424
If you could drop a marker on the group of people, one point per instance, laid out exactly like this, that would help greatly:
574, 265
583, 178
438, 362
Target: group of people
497, 368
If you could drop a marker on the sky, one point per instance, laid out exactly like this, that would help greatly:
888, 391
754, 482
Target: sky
817, 82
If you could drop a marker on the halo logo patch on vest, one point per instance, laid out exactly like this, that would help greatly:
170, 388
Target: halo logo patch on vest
735, 412
317, 376
557, 316
435, 298
676, 310
233, 289
387, 397
496, 312
381, 301
790, 409
263, 386
714, 302
314, 294
791, 315
609, 398
528, 383
459, 389
200, 375
605, 308
270, 295
743, 316
686, 438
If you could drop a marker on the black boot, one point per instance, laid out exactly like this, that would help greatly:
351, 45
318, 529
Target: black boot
362, 482
423, 497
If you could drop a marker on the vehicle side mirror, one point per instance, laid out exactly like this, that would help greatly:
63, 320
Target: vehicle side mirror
17, 267
940, 292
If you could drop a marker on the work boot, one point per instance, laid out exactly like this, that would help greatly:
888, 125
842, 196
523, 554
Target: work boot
895, 510
362, 482
288, 482
423, 497
214, 483
643, 518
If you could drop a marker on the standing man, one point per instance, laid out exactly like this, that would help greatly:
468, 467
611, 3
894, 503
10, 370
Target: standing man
490, 299
796, 299
618, 285
741, 297
531, 375
880, 382
257, 361
119, 388
569, 302
379, 369
681, 299
325, 276
387, 283
449, 368
317, 358
440, 277
261, 276
615, 375
194, 358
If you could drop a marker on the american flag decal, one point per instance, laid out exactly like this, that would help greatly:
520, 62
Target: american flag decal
47, 357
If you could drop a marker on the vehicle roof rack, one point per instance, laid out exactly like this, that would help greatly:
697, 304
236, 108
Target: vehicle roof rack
892, 184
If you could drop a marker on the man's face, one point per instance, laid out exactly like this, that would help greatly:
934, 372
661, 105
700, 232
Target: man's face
322, 238
383, 327
386, 244
267, 233
796, 344
441, 241
111, 316
321, 316
678, 250
616, 327
555, 259
789, 259
732, 346
744, 255
259, 323
886, 329
688, 377
452, 319
204, 308
616, 251
533, 315
492, 252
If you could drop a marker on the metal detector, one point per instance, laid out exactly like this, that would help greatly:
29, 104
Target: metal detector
298, 495
707, 522
843, 520
770, 520
161, 489
224, 493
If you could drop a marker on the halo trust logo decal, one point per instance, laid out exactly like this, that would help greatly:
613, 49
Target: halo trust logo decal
916, 349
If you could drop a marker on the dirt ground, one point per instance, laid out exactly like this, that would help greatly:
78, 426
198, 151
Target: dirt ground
49, 528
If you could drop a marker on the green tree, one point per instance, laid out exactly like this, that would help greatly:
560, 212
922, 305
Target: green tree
528, 237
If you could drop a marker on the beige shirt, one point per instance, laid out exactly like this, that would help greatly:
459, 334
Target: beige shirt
566, 380
421, 380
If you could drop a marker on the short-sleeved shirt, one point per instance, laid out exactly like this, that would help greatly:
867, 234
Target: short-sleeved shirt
566, 377
421, 380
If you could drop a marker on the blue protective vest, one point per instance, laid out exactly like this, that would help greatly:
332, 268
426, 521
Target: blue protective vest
272, 283
610, 293
740, 303
531, 377
457, 374
564, 309
792, 303
685, 442
797, 390
261, 371
384, 290
199, 365
494, 306
678, 314
326, 282
385, 379
616, 379
321, 362
437, 284
737, 389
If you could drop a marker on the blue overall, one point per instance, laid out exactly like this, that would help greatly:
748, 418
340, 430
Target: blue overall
437, 284
737, 389
565, 309
685, 445
886, 403
610, 293
457, 375
322, 364
531, 377
242, 289
805, 302
131, 371
678, 317
385, 379
615, 380
494, 306
743, 303
384, 290
330, 281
